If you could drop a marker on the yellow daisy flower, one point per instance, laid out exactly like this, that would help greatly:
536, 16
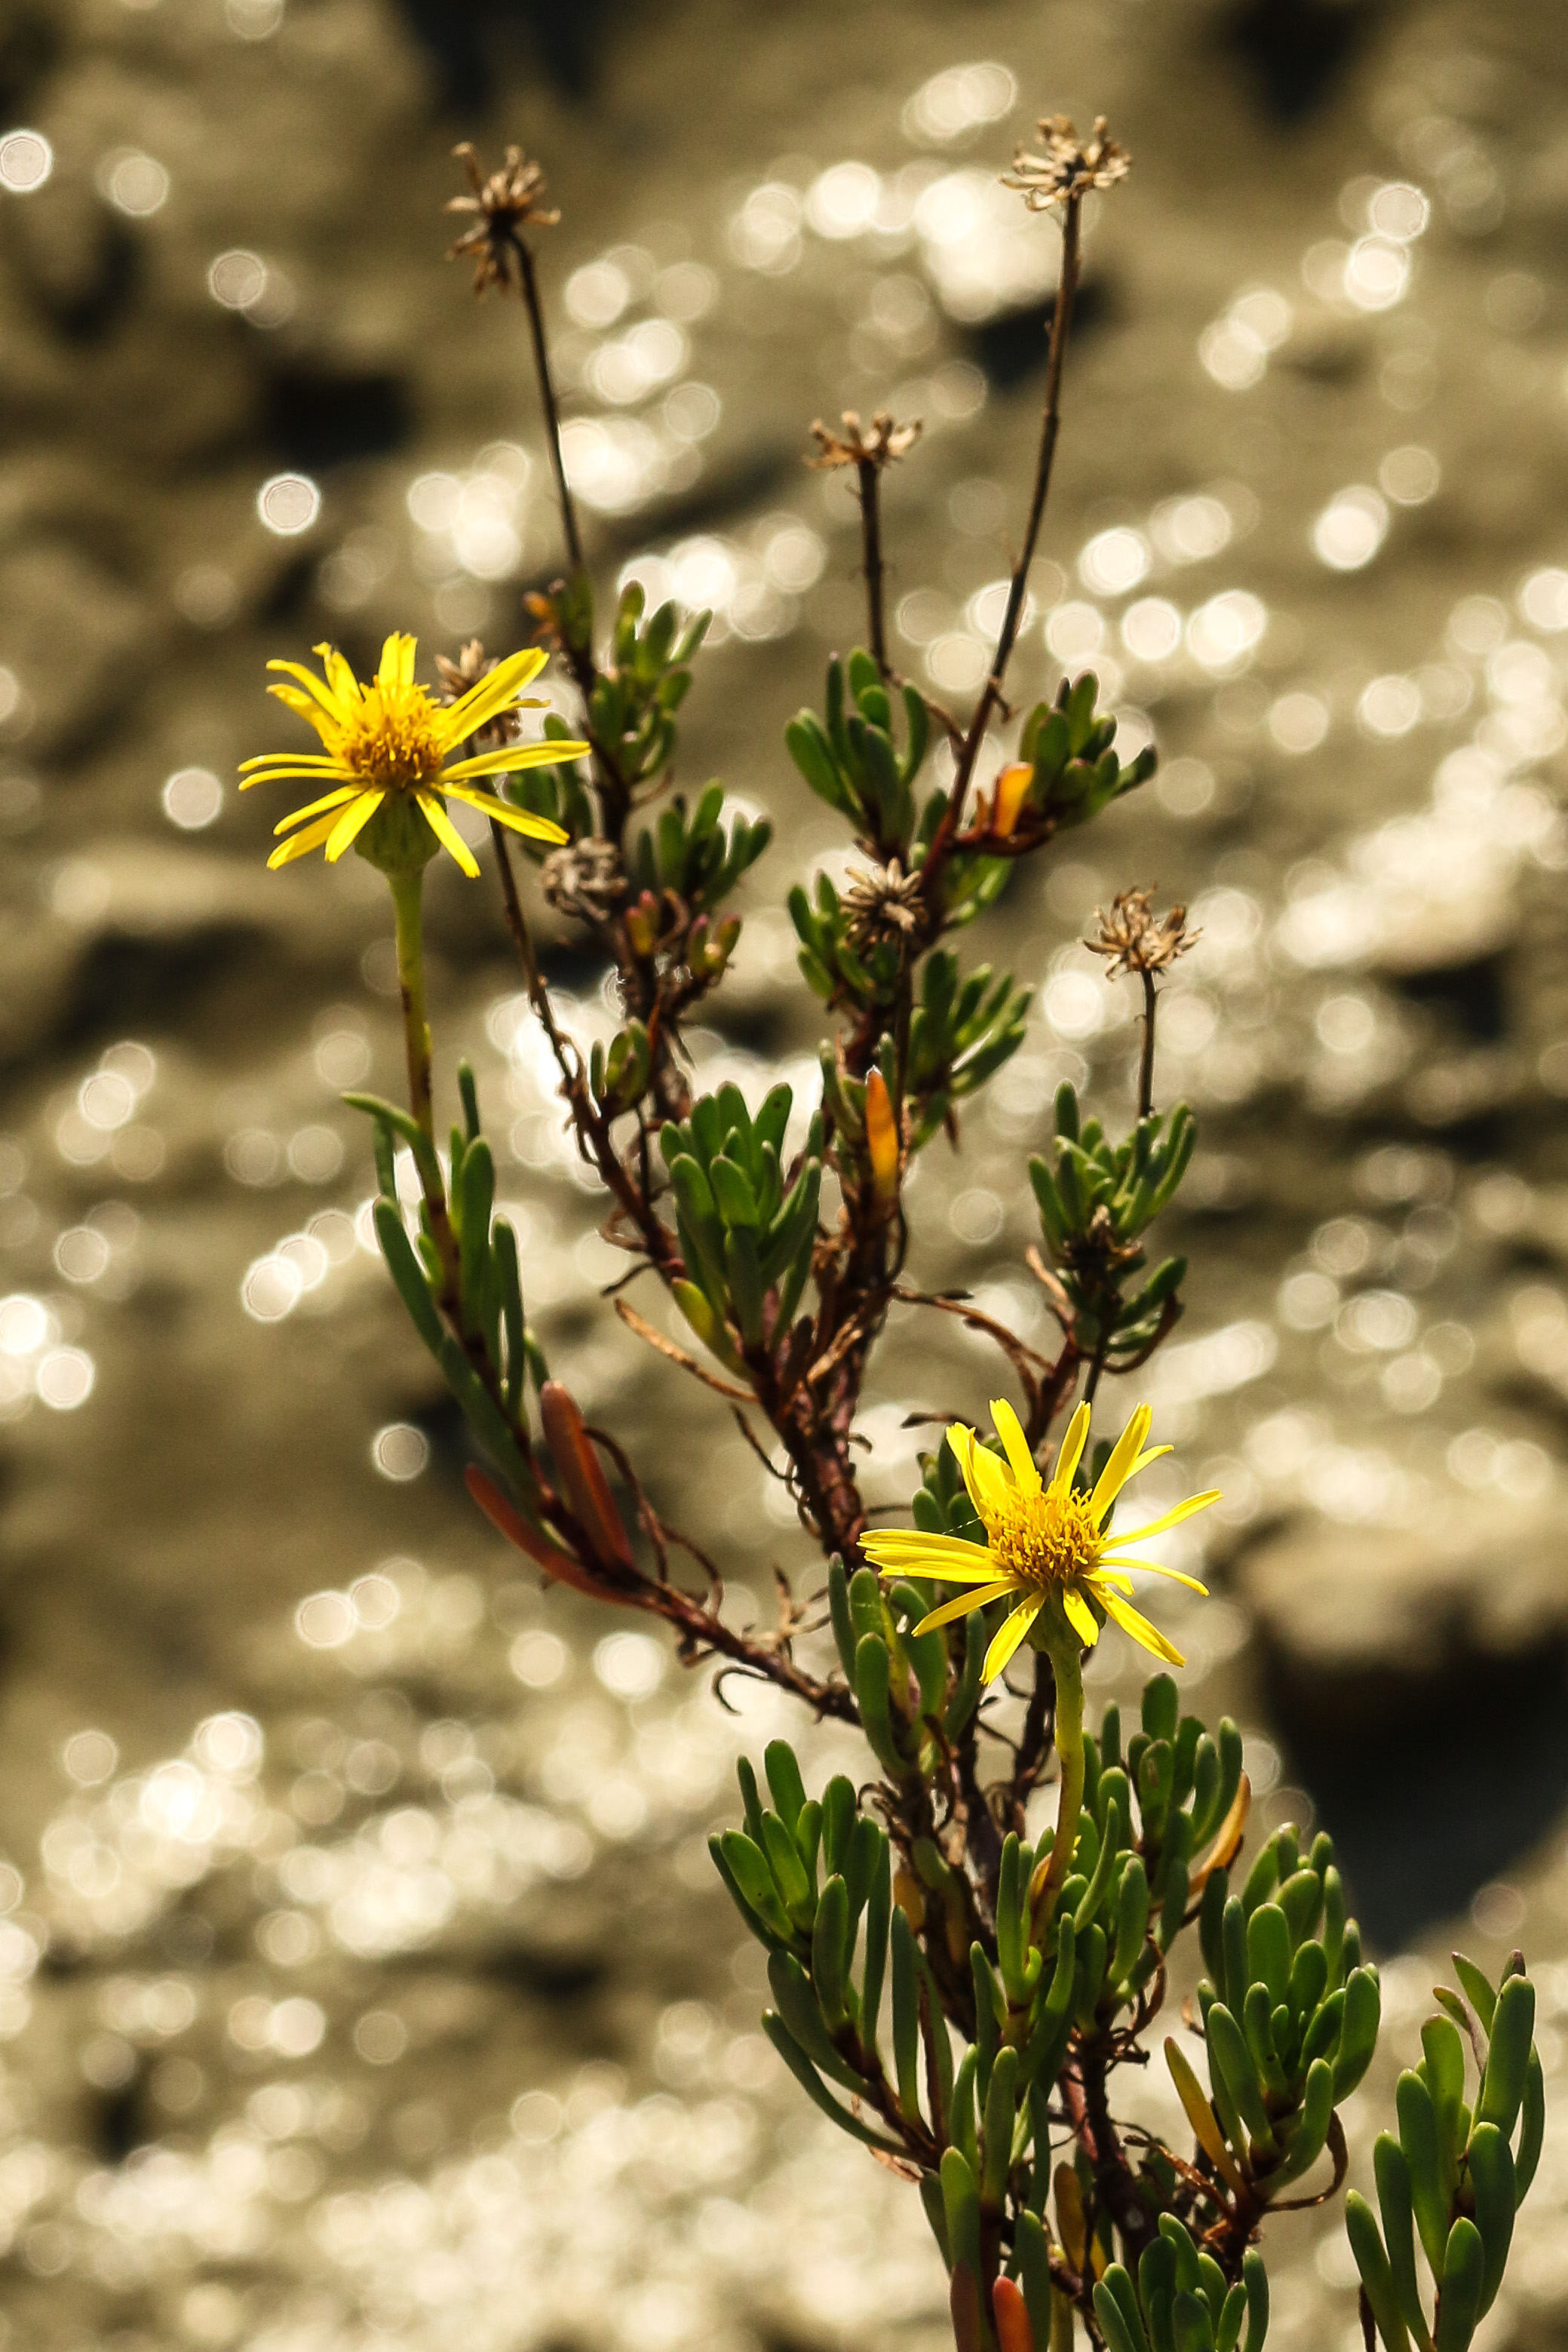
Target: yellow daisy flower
389, 744
1045, 1545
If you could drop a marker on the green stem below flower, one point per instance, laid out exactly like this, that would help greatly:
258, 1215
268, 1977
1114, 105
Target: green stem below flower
408, 891
407, 887
1067, 1666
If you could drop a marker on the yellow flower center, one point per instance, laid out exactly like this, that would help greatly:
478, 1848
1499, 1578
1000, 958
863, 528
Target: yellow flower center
392, 740
1045, 1540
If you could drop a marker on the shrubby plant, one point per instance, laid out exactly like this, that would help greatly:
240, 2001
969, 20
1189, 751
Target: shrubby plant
965, 1948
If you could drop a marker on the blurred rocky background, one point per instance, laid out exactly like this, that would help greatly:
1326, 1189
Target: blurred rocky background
363, 1982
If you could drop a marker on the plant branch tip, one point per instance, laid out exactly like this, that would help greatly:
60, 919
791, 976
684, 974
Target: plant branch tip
504, 202
875, 444
1069, 166
1135, 939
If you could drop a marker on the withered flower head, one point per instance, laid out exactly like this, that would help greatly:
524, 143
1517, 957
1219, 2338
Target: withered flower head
503, 203
471, 664
1069, 166
874, 445
1136, 939
584, 879
885, 905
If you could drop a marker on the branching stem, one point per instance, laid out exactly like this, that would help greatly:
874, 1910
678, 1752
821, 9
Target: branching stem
592, 1131
1115, 2187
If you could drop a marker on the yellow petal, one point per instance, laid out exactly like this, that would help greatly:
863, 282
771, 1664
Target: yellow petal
488, 695
396, 663
987, 1481
538, 828
447, 833
1081, 1617
329, 720
1071, 1453
451, 736
1007, 1640
352, 823
963, 1545
1131, 1622
515, 755
1015, 1445
1154, 1568
314, 808
324, 762
934, 1571
1172, 1518
340, 677
311, 838
329, 730
906, 1544
311, 702
961, 1439
964, 1605
1119, 1468
317, 688
300, 775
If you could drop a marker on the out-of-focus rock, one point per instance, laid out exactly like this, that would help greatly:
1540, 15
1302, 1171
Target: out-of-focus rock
136, 932
1351, 1611
74, 636
75, 259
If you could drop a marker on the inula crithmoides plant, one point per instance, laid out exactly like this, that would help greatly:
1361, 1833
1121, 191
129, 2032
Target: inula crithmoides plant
966, 1941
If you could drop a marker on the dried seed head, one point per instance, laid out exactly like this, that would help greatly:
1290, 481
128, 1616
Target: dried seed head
584, 879
885, 906
1069, 166
1135, 939
471, 664
877, 444
503, 203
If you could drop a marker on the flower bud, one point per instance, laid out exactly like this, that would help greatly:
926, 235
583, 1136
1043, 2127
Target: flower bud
1012, 789
881, 1138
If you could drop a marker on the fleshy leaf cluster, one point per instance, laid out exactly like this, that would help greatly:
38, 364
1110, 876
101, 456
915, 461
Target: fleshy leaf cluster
747, 1234
1453, 2175
1096, 1199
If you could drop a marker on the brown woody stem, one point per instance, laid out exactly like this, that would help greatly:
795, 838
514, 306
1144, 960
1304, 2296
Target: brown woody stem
869, 474
1146, 1065
592, 1131
548, 398
1050, 424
